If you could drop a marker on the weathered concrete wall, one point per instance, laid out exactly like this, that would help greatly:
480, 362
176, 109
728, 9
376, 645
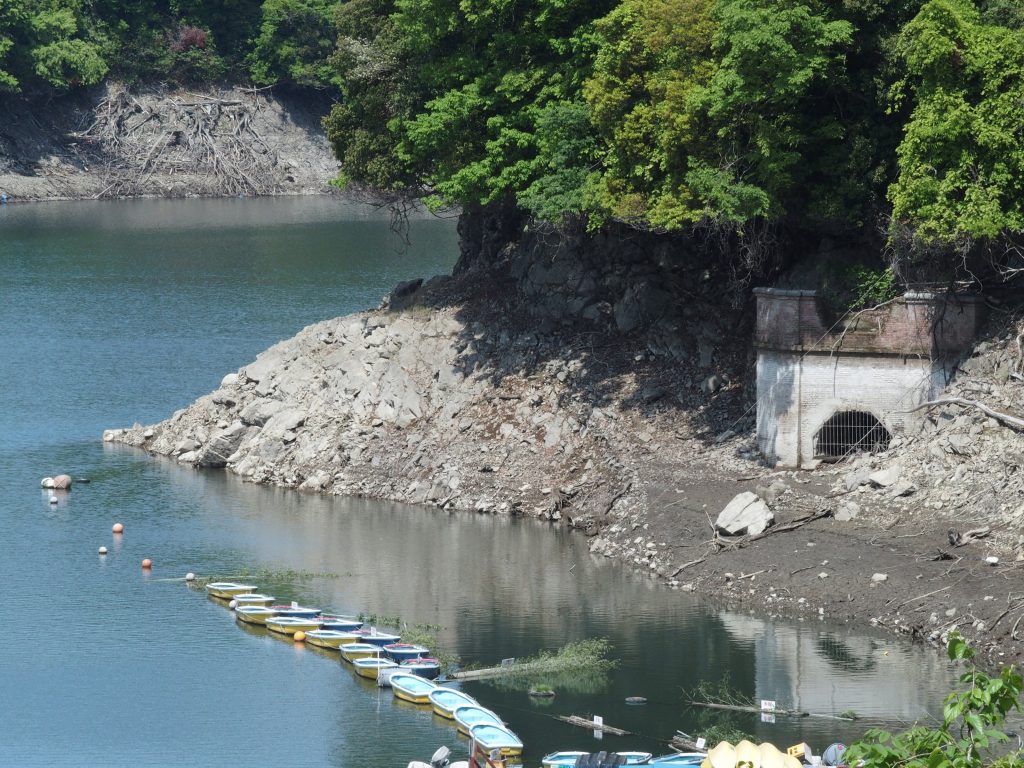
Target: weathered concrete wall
797, 395
883, 362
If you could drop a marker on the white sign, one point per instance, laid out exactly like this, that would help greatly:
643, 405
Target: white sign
701, 742
508, 662
598, 730
767, 705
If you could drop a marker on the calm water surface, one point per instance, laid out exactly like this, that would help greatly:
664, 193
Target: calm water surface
112, 313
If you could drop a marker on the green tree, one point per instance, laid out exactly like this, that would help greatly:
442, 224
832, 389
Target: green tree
44, 43
652, 57
295, 43
961, 161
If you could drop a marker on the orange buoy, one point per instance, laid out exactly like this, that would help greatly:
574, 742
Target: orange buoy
300, 636
147, 563
118, 528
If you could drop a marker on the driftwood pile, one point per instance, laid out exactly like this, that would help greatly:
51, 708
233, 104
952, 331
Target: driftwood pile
145, 140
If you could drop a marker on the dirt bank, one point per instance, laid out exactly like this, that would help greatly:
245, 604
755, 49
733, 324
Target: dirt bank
604, 385
154, 142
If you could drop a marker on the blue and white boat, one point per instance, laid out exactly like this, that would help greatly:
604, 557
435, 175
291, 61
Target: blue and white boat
225, 590
254, 614
295, 611
569, 759
445, 700
373, 637
289, 625
252, 598
351, 652
496, 737
404, 651
412, 688
340, 623
469, 715
426, 668
329, 638
679, 758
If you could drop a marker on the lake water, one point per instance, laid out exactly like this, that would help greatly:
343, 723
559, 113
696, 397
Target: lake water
117, 312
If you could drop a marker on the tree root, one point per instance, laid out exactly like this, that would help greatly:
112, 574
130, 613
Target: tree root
212, 138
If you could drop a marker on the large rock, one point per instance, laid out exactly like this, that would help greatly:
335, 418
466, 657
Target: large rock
224, 443
745, 514
883, 478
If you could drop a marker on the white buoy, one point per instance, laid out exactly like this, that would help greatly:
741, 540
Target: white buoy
103, 550
190, 576
232, 604
46, 482
53, 499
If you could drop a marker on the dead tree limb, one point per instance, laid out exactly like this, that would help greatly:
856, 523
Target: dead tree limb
1013, 422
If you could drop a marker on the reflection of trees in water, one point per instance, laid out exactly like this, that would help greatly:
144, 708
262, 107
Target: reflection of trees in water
839, 654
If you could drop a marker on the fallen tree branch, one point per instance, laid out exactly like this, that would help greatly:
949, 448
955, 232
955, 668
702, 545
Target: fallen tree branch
684, 566
1006, 419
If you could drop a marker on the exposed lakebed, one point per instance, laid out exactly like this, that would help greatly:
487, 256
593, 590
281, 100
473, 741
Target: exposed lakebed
121, 312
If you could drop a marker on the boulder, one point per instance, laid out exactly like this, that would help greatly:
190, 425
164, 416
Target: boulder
746, 513
258, 412
883, 478
847, 512
224, 443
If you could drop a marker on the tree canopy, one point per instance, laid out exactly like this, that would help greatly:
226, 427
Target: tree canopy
810, 118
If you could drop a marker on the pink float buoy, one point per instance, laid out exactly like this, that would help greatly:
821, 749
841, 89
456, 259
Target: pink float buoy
117, 528
62, 482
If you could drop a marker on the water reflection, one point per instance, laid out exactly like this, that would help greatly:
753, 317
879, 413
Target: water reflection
822, 669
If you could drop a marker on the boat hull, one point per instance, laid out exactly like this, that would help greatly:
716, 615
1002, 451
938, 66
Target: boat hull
465, 719
429, 671
411, 688
354, 651
445, 705
496, 737
341, 625
291, 627
227, 591
327, 638
253, 600
371, 671
254, 617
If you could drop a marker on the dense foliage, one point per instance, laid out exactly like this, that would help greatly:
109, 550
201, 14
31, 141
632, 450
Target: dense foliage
789, 120
61, 44
808, 118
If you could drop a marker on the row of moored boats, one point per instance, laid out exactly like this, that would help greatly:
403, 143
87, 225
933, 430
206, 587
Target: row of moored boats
406, 668
410, 672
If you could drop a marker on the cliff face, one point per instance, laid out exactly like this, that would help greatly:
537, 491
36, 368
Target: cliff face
112, 142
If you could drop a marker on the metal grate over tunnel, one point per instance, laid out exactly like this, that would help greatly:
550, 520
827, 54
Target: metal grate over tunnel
848, 432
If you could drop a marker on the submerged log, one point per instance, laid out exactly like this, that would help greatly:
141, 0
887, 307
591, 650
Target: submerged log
582, 722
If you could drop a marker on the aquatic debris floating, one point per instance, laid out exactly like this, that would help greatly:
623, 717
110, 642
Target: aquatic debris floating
594, 725
263, 575
583, 656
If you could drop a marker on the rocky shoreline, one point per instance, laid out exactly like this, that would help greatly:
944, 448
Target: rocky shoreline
575, 389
